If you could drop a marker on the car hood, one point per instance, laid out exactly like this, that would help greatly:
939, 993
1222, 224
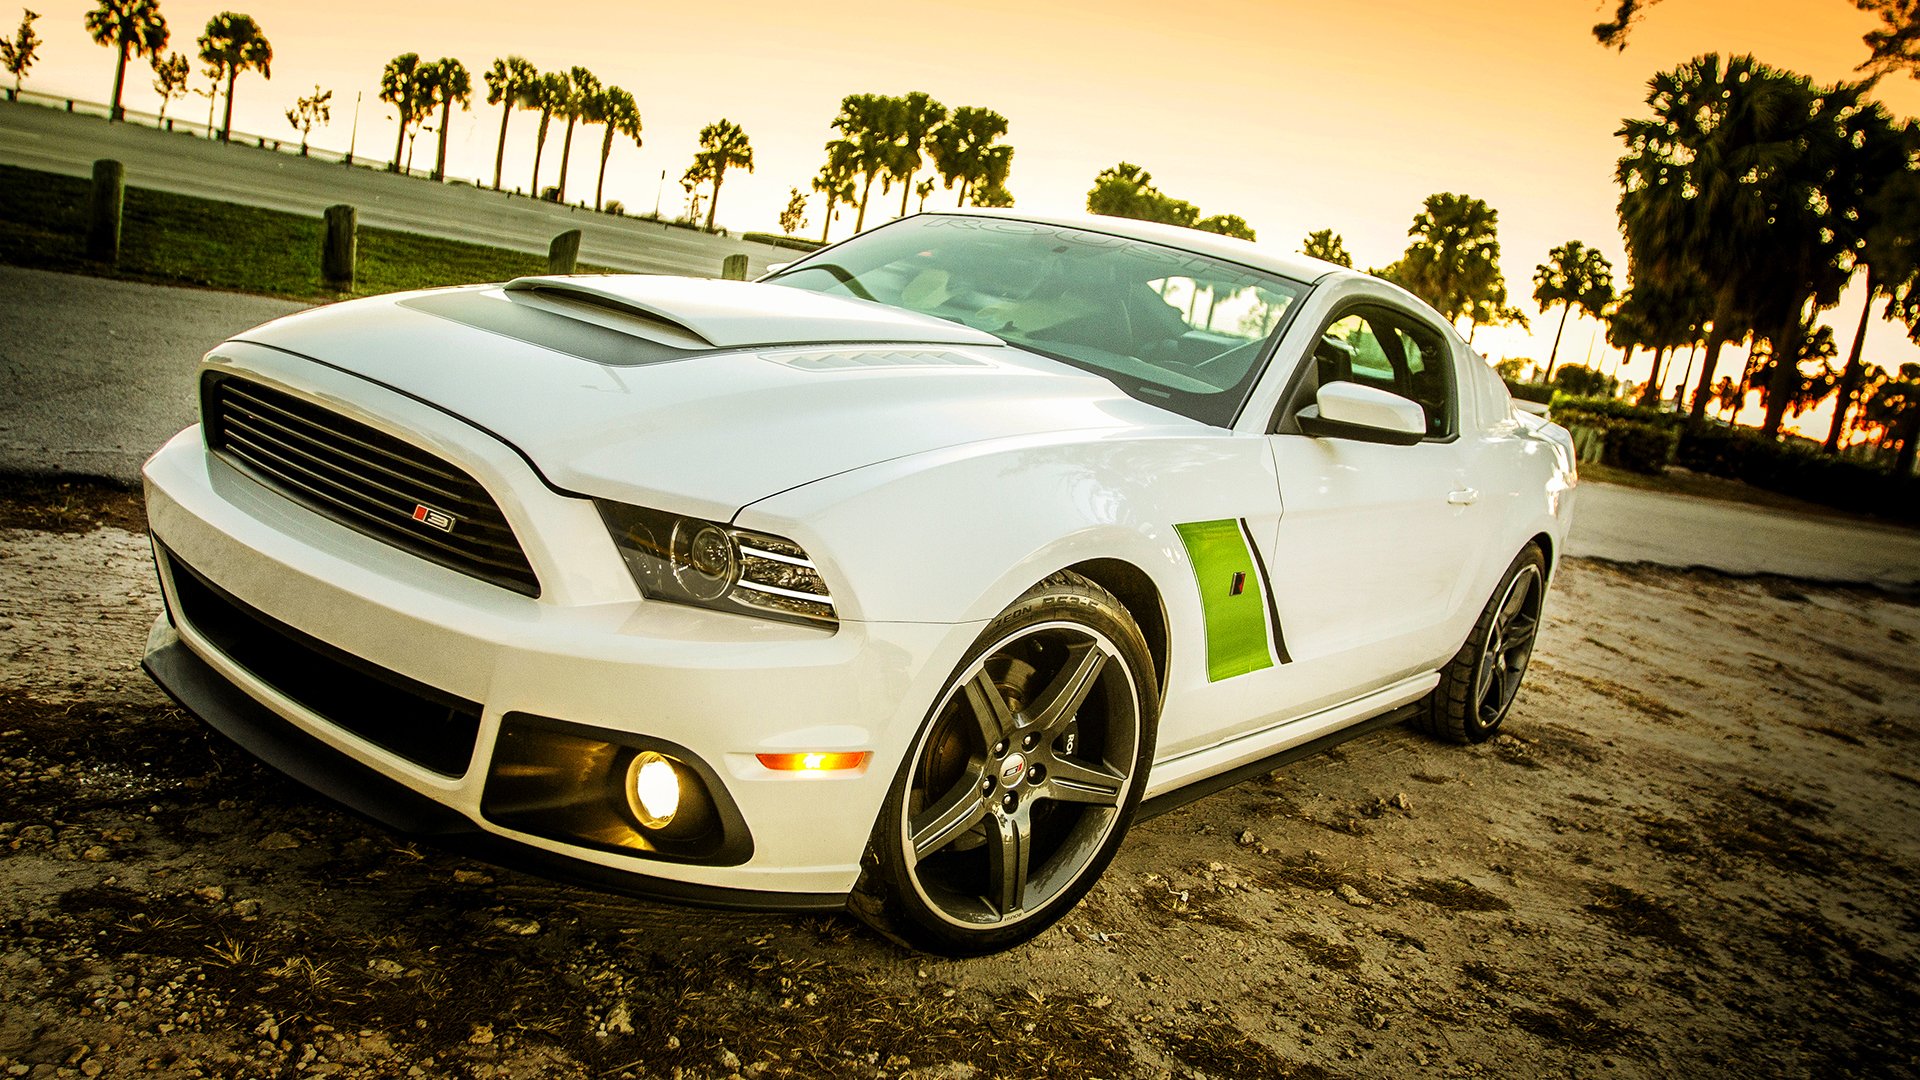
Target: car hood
702, 396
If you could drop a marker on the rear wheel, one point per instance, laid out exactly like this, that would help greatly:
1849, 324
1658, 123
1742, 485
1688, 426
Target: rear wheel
1478, 685
1021, 784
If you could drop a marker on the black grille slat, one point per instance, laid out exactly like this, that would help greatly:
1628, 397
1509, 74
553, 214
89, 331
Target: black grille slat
362, 436
370, 516
400, 502
268, 428
363, 478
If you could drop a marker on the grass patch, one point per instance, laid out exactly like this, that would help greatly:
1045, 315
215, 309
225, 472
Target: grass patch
182, 240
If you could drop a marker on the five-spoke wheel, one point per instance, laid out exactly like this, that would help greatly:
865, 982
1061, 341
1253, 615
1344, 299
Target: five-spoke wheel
1021, 783
1478, 685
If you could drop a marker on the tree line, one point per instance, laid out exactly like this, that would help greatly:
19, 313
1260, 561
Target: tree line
879, 139
888, 140
1750, 198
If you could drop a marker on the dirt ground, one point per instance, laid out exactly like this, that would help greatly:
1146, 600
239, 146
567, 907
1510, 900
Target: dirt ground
1694, 853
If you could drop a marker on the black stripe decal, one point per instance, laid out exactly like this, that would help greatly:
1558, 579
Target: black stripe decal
1266, 590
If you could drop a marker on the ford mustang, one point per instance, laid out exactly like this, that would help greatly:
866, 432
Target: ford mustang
894, 581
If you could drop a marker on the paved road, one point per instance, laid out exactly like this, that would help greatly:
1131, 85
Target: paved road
1631, 525
54, 141
98, 373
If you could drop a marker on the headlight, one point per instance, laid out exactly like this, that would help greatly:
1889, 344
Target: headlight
689, 561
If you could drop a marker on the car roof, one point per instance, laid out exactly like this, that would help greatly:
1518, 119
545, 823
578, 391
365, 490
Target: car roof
1231, 249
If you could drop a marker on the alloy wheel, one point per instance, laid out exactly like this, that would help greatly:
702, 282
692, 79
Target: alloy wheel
1019, 781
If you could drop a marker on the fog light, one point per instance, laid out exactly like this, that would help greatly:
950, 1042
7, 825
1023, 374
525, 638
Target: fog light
815, 762
653, 789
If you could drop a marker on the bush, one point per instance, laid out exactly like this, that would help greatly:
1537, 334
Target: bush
1801, 471
1581, 381
1638, 440
1535, 392
1641, 448
1608, 408
616, 208
793, 243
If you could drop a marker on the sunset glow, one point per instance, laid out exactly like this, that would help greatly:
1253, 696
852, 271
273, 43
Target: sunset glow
1295, 116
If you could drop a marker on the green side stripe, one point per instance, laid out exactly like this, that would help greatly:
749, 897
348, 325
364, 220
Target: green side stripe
1236, 625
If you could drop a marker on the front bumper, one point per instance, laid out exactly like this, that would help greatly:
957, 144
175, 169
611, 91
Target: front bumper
590, 652
274, 740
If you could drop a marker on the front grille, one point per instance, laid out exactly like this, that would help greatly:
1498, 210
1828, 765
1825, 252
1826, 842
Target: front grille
365, 479
433, 729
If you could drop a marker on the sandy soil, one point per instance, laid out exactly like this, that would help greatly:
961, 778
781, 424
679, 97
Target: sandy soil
1693, 853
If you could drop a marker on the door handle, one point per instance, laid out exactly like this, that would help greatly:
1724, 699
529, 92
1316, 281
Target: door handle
1462, 497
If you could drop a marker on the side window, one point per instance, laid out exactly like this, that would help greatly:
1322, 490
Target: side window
1400, 355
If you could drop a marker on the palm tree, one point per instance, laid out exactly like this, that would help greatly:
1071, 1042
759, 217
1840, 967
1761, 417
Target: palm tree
621, 114
1226, 225
722, 146
1574, 276
1723, 184
1815, 223
1894, 407
992, 187
916, 117
586, 91
1667, 315
509, 81
963, 148
550, 94
447, 84
1888, 244
231, 44
866, 123
835, 180
1453, 262
1812, 345
1326, 244
401, 86
134, 28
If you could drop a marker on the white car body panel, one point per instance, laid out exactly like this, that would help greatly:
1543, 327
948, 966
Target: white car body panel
932, 474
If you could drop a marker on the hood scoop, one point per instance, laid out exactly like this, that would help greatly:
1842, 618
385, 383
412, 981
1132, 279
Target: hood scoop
740, 314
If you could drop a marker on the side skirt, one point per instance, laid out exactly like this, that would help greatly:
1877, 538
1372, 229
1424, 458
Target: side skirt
1200, 789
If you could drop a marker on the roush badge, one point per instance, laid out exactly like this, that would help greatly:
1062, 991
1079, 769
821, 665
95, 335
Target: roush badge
433, 519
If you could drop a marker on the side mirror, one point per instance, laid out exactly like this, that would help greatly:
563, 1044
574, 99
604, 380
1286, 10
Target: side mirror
1349, 410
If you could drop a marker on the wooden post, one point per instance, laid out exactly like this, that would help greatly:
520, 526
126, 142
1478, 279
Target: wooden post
103, 211
341, 248
734, 268
564, 255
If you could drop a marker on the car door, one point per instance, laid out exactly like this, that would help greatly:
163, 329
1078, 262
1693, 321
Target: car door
1374, 540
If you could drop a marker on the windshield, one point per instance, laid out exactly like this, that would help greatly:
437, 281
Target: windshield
1177, 329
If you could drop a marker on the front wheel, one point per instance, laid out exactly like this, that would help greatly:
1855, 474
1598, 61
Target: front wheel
1022, 782
1478, 685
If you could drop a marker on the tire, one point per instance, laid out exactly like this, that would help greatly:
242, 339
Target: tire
1478, 685
1021, 783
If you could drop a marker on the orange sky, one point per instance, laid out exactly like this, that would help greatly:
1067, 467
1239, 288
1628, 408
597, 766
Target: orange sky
1294, 115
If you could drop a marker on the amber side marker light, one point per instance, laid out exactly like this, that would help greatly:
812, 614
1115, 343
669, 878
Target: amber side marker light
815, 762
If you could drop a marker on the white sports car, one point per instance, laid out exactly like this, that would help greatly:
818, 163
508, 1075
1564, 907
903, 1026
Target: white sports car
895, 581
